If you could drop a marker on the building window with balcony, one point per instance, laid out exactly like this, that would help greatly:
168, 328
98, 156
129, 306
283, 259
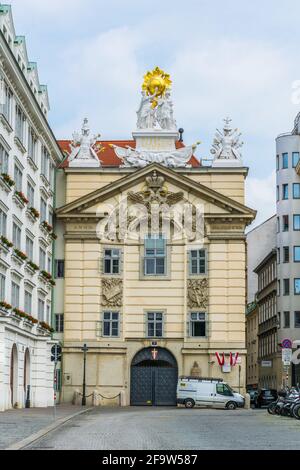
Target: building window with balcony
2, 287
41, 310
198, 262
29, 248
285, 191
278, 224
3, 223
16, 236
30, 194
45, 161
3, 160
285, 161
59, 269
18, 178
111, 326
286, 225
295, 159
297, 286
297, 319
277, 162
20, 124
197, 325
286, 287
28, 302
297, 222
278, 255
154, 324
286, 318
6, 107
43, 208
32, 145
277, 193
42, 259
286, 254
15, 295
297, 254
112, 258
296, 190
155, 256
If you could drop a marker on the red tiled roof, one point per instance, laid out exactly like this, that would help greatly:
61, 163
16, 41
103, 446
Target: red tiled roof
108, 157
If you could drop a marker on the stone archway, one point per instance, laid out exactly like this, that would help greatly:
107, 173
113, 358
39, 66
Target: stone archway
154, 375
14, 376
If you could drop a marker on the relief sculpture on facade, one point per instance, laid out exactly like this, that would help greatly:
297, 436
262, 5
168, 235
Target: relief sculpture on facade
197, 293
112, 292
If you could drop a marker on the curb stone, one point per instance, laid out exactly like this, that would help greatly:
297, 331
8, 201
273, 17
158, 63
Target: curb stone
46, 430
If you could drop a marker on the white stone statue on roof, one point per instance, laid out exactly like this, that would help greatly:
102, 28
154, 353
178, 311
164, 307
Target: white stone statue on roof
84, 149
165, 113
226, 146
146, 114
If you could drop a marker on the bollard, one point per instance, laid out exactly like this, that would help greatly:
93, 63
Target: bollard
247, 401
122, 398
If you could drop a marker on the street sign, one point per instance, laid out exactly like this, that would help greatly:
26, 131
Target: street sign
266, 363
287, 356
56, 353
287, 344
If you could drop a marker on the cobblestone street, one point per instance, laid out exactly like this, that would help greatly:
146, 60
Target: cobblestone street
171, 428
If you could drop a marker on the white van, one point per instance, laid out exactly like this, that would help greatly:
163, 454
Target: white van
211, 392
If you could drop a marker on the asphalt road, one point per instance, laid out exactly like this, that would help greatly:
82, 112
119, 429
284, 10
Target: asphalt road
171, 428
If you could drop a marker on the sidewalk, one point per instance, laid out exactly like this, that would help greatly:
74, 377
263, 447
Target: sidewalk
16, 425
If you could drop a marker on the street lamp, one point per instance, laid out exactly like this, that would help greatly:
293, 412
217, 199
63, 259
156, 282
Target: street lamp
85, 350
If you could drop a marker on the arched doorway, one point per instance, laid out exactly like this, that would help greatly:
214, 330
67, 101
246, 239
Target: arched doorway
26, 375
14, 376
154, 375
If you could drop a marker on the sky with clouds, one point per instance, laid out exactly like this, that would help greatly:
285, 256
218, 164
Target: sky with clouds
225, 58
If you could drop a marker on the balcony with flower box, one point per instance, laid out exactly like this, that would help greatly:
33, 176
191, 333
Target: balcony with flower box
19, 257
20, 199
28, 320
5, 308
44, 328
5, 245
47, 279
6, 182
32, 214
31, 268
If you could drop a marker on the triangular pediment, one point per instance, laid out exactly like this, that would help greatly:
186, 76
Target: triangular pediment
86, 205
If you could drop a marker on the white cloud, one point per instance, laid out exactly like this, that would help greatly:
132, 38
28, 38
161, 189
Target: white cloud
261, 195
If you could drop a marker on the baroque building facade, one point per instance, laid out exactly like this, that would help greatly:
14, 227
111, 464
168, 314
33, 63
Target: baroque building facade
151, 296
28, 157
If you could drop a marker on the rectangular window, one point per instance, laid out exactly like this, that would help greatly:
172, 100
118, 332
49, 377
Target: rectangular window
3, 160
3, 223
297, 222
297, 319
278, 288
295, 159
2, 287
41, 310
29, 248
286, 287
277, 193
286, 224
20, 124
48, 315
197, 261
278, 255
286, 320
285, 191
297, 286
7, 105
32, 144
297, 254
155, 256
49, 265
45, 160
279, 320
16, 236
278, 224
154, 324
18, 179
15, 295
43, 208
59, 323
197, 324
111, 324
30, 194
59, 268
296, 190
285, 160
28, 302
42, 259
286, 254
277, 162
112, 261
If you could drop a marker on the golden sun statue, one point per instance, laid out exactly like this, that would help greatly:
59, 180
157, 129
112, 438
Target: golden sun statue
156, 83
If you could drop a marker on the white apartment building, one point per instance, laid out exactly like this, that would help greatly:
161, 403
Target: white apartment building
28, 157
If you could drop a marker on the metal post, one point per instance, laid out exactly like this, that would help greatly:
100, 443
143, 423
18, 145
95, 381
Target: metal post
55, 387
240, 369
85, 350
